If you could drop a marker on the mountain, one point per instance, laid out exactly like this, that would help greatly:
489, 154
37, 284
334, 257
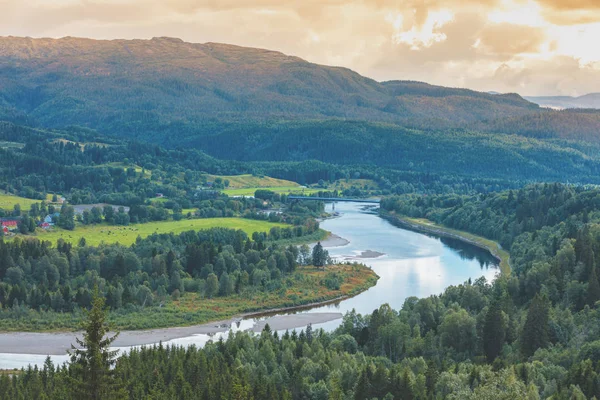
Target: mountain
145, 86
591, 100
253, 104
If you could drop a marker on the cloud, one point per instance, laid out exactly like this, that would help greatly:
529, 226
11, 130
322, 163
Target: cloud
569, 12
508, 39
569, 5
531, 46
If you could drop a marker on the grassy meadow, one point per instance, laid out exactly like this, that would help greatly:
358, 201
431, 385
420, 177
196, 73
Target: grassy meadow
249, 181
281, 190
8, 201
126, 235
246, 185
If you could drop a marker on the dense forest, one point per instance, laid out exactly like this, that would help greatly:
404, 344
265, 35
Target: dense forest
87, 168
260, 105
528, 335
40, 282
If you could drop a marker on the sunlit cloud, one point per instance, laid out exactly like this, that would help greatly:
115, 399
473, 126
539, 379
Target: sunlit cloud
426, 34
528, 46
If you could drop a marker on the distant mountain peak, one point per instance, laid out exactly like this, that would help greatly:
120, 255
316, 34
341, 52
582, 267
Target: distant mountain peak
590, 100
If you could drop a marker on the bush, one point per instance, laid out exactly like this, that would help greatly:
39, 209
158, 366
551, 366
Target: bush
333, 281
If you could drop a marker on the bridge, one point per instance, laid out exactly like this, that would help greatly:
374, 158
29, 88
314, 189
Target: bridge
332, 199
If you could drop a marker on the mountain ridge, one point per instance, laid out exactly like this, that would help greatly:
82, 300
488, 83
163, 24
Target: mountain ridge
226, 78
171, 92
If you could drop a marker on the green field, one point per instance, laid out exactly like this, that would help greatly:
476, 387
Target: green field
117, 164
252, 181
246, 185
342, 184
126, 235
282, 189
8, 201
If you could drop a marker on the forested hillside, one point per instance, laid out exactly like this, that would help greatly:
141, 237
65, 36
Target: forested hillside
529, 335
175, 93
88, 168
164, 84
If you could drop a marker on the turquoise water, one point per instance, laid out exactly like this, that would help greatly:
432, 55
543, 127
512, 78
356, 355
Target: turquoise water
413, 264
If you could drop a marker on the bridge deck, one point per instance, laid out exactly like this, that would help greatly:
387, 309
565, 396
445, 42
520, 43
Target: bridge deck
333, 199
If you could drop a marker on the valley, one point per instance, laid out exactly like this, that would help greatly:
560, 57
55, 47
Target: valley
188, 195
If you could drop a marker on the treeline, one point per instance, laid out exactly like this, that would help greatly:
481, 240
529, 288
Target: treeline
528, 335
506, 215
460, 152
546, 312
88, 168
217, 262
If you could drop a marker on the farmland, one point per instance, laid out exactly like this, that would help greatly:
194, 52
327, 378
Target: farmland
7, 201
281, 190
253, 181
126, 235
246, 185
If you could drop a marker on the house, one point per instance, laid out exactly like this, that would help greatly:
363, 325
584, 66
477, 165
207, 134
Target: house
5, 230
9, 224
159, 195
49, 218
45, 225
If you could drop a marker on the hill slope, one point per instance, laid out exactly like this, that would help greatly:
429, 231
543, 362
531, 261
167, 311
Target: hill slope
253, 104
133, 86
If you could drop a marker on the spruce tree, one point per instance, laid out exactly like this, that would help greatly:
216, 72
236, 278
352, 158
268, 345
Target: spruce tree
317, 255
494, 331
535, 330
91, 375
362, 388
593, 294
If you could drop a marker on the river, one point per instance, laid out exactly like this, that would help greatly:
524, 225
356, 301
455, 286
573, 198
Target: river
412, 264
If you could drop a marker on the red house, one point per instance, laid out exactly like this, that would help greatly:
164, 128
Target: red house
9, 224
5, 230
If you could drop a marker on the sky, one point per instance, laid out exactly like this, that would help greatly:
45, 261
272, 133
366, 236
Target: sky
532, 47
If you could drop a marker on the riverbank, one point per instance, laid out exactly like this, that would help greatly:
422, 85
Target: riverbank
333, 240
58, 343
425, 226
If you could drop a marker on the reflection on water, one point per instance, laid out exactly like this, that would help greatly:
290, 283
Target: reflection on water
413, 264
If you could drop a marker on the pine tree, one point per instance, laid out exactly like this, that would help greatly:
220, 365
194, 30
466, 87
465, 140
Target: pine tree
494, 331
319, 255
309, 333
362, 389
593, 294
91, 375
535, 330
